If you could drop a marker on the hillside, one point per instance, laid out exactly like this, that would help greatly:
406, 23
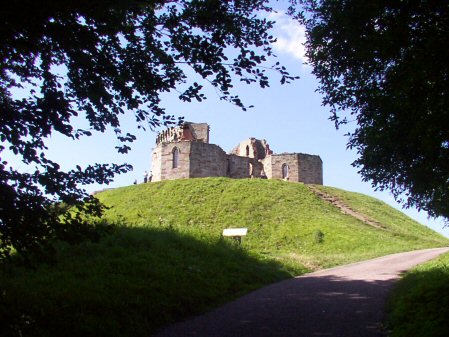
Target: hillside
165, 259
283, 219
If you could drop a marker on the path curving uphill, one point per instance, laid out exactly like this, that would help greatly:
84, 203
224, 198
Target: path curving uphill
342, 302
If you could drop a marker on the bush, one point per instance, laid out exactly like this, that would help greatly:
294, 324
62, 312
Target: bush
319, 236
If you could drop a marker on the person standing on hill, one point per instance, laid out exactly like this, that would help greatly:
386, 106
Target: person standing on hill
145, 177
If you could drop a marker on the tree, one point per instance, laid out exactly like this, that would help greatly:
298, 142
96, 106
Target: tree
384, 66
98, 60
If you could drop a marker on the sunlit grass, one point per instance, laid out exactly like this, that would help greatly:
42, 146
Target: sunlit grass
281, 217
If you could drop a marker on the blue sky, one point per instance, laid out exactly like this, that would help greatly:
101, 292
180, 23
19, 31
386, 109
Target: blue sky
290, 117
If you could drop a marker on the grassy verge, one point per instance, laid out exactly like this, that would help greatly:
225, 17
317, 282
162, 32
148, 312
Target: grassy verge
419, 304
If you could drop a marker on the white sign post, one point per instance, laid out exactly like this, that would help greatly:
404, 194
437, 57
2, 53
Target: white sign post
235, 233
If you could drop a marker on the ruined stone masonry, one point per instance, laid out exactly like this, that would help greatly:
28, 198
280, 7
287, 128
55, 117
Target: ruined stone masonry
185, 152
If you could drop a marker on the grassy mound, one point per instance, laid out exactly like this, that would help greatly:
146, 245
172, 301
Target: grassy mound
283, 219
419, 305
166, 260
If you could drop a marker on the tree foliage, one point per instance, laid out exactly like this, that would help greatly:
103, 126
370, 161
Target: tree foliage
98, 60
384, 66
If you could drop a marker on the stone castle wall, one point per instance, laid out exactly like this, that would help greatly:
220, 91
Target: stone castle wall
268, 166
300, 167
156, 163
207, 160
196, 160
238, 167
278, 161
200, 132
310, 169
162, 160
185, 152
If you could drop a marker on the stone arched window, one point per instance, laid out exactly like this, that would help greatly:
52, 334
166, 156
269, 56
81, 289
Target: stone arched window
175, 154
284, 171
247, 150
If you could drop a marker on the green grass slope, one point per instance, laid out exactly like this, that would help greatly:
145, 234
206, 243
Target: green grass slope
377, 210
165, 259
282, 218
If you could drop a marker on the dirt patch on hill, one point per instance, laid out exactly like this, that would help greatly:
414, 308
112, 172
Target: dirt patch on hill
344, 208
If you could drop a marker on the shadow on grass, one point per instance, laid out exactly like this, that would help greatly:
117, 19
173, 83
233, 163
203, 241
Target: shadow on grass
306, 306
130, 283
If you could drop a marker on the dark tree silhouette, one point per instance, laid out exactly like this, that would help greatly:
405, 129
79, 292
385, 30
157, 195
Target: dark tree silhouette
98, 60
384, 66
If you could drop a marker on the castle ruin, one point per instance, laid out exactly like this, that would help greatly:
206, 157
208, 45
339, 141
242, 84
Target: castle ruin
185, 152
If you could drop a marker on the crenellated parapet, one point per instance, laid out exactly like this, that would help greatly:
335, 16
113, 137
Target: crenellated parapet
185, 132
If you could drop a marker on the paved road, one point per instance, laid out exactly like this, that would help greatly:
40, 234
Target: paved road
345, 301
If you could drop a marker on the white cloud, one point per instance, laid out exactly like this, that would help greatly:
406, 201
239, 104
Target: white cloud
290, 36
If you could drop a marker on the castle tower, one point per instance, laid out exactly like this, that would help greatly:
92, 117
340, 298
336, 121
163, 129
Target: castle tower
184, 152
